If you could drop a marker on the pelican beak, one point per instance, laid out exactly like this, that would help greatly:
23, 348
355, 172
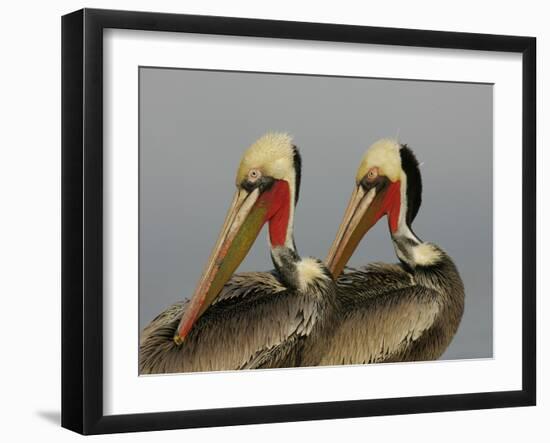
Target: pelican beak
242, 225
364, 209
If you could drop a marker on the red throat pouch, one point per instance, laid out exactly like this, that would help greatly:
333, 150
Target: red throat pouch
277, 201
391, 205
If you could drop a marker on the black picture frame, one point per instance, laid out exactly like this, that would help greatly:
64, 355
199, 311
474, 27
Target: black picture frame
82, 220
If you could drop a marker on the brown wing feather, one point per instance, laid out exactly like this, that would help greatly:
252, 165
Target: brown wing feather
382, 328
255, 322
384, 313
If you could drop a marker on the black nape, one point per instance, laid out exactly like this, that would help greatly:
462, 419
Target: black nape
297, 170
409, 164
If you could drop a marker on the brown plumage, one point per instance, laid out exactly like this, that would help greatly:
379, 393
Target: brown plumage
250, 320
256, 322
391, 312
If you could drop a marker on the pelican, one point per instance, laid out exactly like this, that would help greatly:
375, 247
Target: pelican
408, 311
256, 319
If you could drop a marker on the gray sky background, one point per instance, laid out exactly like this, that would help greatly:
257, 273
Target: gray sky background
195, 125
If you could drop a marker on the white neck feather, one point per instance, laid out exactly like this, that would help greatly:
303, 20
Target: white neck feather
289, 242
408, 247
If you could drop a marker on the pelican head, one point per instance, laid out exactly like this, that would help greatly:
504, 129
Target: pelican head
267, 184
388, 182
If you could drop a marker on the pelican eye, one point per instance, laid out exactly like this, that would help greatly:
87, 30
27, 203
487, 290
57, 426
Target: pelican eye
254, 175
372, 174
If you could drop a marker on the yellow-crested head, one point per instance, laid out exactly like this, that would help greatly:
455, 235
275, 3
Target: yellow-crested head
272, 155
384, 156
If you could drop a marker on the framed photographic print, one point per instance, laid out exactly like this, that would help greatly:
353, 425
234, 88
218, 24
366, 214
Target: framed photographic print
392, 172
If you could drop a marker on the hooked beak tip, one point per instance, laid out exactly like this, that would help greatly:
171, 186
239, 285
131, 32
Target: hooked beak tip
178, 340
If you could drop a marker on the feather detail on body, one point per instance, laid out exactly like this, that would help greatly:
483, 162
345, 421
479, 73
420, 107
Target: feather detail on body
389, 314
256, 322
